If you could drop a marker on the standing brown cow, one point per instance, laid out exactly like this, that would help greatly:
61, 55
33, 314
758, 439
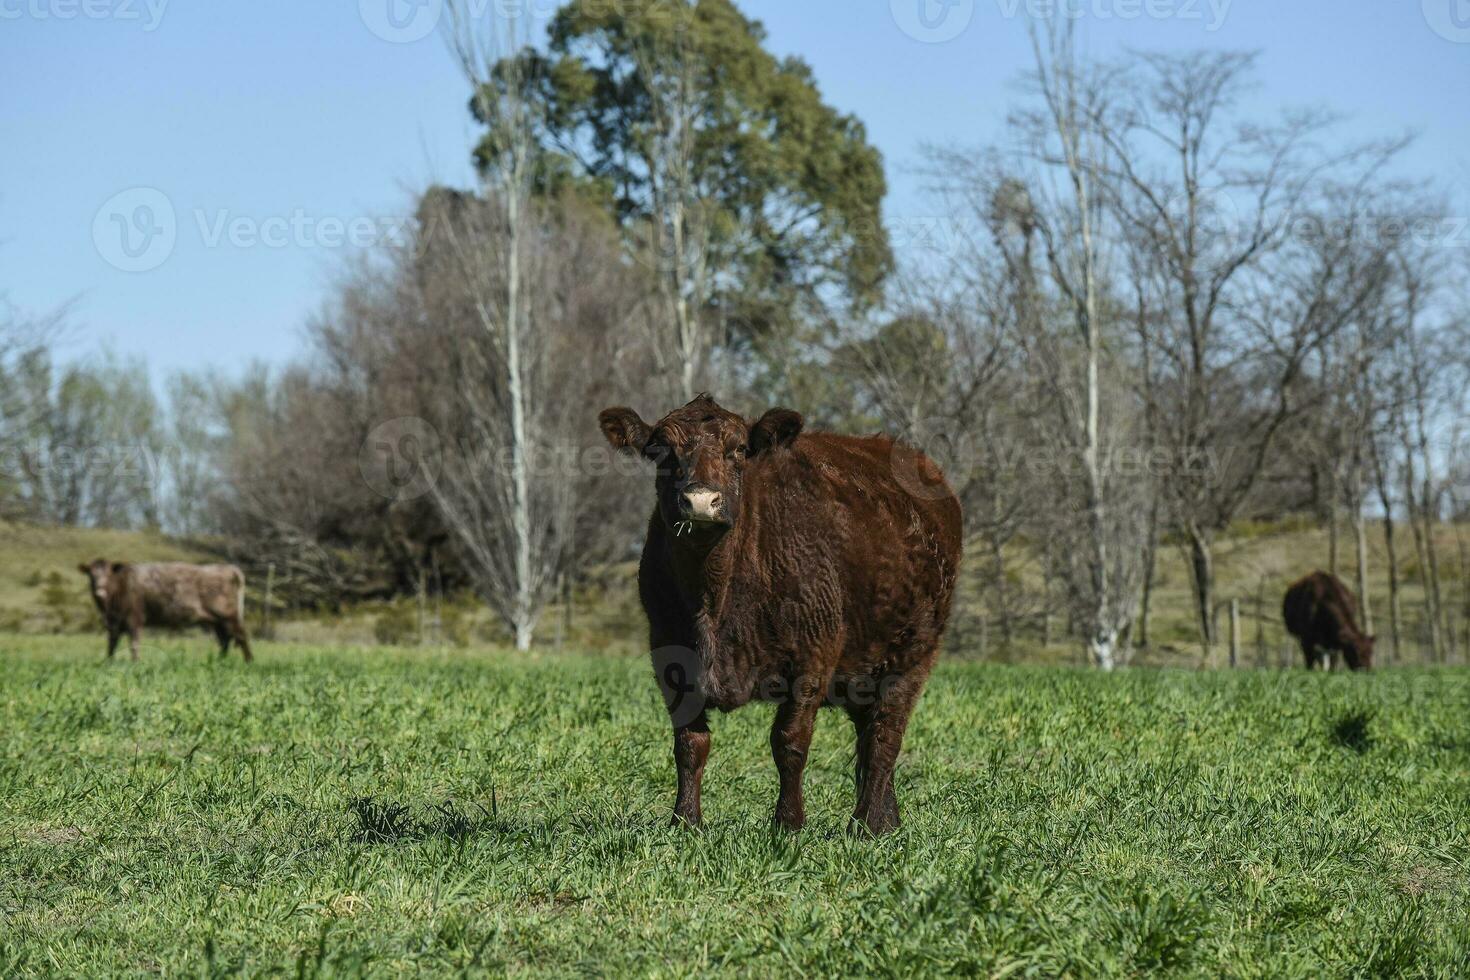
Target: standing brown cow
799, 568
169, 594
1322, 614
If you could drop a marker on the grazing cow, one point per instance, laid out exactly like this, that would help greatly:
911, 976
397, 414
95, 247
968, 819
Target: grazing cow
170, 594
798, 568
1322, 614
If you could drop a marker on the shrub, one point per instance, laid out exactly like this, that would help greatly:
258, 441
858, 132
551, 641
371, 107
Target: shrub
60, 602
397, 625
454, 625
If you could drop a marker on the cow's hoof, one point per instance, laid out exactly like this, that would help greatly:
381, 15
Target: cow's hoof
787, 823
876, 826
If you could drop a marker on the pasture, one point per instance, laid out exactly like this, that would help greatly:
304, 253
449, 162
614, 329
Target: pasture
340, 811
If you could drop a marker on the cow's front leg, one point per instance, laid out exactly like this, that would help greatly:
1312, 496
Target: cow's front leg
691, 750
791, 737
113, 635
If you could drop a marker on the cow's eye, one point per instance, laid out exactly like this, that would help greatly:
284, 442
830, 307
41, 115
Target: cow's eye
737, 453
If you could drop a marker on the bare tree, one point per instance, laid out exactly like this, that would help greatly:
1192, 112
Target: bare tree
1424, 391
514, 540
1107, 588
1381, 483
1212, 206
1039, 223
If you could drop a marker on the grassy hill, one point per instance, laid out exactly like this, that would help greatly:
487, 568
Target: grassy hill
33, 559
1254, 565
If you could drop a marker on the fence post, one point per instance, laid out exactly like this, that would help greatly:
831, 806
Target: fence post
1234, 632
1261, 623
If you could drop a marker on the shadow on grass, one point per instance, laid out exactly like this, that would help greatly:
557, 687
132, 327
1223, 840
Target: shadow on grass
1350, 731
389, 822
377, 820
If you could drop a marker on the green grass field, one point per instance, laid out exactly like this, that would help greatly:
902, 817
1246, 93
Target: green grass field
349, 811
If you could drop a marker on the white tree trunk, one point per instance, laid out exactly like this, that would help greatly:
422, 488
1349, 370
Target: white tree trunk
1105, 609
1102, 647
516, 385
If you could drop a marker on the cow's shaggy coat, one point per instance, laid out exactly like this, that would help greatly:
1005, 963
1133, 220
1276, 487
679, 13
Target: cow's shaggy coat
1322, 614
806, 569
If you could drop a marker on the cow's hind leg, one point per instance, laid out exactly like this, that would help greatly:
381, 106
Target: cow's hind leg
134, 632
241, 638
222, 634
880, 737
862, 721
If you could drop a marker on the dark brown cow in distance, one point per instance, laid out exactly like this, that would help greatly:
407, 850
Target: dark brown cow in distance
169, 594
798, 568
1322, 614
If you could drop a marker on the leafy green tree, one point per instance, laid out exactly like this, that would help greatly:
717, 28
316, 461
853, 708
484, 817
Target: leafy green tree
756, 202
91, 449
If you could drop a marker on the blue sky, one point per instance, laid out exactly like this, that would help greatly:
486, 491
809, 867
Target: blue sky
279, 131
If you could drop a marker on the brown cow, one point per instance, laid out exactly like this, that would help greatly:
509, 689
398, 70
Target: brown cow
795, 568
170, 594
1322, 614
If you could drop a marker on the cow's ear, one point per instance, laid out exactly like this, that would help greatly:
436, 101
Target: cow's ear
624, 429
84, 569
118, 567
778, 427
